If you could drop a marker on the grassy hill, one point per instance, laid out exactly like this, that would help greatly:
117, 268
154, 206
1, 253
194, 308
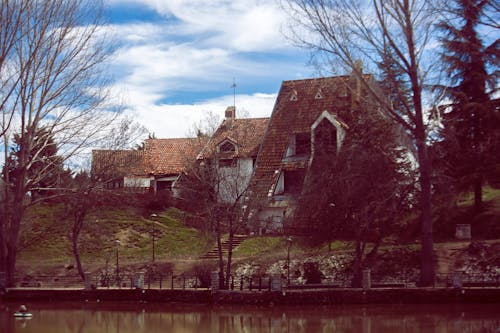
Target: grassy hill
45, 241
45, 244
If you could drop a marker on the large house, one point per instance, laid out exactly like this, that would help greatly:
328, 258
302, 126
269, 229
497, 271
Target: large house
263, 163
232, 150
310, 117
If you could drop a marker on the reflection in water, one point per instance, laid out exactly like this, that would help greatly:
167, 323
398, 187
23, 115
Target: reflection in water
151, 318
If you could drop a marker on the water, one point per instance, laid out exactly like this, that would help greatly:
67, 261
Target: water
180, 318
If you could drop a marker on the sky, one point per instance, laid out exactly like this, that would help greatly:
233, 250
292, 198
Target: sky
176, 60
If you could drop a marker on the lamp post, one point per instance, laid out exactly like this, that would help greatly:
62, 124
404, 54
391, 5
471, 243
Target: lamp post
117, 245
289, 243
153, 234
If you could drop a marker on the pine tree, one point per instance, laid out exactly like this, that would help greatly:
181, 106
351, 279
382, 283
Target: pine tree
470, 124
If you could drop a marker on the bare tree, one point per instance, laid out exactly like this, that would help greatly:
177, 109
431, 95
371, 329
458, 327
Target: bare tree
398, 32
215, 185
55, 64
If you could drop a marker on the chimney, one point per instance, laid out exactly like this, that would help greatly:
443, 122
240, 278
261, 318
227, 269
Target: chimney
356, 77
230, 113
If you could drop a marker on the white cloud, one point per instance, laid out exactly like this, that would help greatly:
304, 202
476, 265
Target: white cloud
242, 25
170, 121
196, 52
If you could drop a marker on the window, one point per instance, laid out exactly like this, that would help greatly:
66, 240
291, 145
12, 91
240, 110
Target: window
227, 163
325, 138
302, 144
227, 147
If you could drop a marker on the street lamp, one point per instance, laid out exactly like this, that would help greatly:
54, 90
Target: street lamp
153, 233
289, 243
117, 245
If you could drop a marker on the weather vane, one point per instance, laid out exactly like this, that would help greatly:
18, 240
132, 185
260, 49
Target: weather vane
234, 93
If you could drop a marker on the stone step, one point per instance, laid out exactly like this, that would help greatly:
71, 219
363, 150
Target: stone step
214, 253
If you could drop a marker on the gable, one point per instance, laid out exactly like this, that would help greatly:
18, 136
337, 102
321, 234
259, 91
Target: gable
295, 117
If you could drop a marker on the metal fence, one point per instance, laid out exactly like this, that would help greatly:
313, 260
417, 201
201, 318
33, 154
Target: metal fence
146, 280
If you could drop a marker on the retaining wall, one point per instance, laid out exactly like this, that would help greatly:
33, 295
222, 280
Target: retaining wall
295, 297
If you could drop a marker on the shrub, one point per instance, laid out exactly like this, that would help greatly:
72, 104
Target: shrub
312, 274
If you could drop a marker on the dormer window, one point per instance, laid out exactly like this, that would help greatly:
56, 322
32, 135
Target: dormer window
319, 95
293, 96
302, 144
299, 145
227, 147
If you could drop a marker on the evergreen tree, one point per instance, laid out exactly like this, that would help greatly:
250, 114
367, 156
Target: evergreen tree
45, 172
361, 192
470, 125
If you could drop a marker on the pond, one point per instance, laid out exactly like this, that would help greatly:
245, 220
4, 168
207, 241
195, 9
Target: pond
126, 317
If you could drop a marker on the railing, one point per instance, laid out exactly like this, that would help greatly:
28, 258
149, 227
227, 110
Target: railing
151, 280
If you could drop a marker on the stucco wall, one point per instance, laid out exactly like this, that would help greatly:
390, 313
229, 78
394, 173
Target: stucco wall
234, 181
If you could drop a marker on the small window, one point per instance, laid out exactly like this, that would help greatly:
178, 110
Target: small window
319, 95
302, 144
227, 147
293, 96
227, 163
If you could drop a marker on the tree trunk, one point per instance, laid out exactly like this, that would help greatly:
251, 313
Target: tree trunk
219, 252
427, 273
478, 194
357, 267
77, 227
12, 234
229, 254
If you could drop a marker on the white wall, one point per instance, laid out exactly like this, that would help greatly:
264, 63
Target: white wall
137, 181
234, 181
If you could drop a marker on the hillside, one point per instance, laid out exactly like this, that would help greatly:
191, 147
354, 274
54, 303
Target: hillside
45, 242
45, 245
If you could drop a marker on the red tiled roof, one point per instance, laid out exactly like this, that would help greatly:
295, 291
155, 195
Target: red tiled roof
118, 162
298, 105
171, 156
247, 133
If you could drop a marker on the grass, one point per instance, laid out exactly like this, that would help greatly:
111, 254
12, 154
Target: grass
259, 245
489, 194
46, 230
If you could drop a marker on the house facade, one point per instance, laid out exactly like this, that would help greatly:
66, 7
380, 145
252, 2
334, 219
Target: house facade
310, 117
232, 151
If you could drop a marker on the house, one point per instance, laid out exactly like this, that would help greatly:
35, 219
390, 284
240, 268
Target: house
121, 169
310, 117
232, 150
155, 168
168, 158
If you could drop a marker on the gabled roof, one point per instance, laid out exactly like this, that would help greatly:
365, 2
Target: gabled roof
298, 105
171, 156
118, 163
246, 133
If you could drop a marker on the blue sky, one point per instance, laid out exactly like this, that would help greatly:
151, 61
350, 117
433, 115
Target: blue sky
176, 59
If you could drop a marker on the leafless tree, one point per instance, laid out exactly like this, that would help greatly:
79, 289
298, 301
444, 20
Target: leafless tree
54, 64
215, 186
396, 36
87, 190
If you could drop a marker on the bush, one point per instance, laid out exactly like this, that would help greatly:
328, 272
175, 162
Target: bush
312, 274
203, 271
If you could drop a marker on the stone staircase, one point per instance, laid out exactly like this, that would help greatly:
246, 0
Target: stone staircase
213, 253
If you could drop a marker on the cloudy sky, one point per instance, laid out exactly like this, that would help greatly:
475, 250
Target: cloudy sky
176, 59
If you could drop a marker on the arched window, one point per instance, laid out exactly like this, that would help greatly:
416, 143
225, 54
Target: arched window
227, 147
